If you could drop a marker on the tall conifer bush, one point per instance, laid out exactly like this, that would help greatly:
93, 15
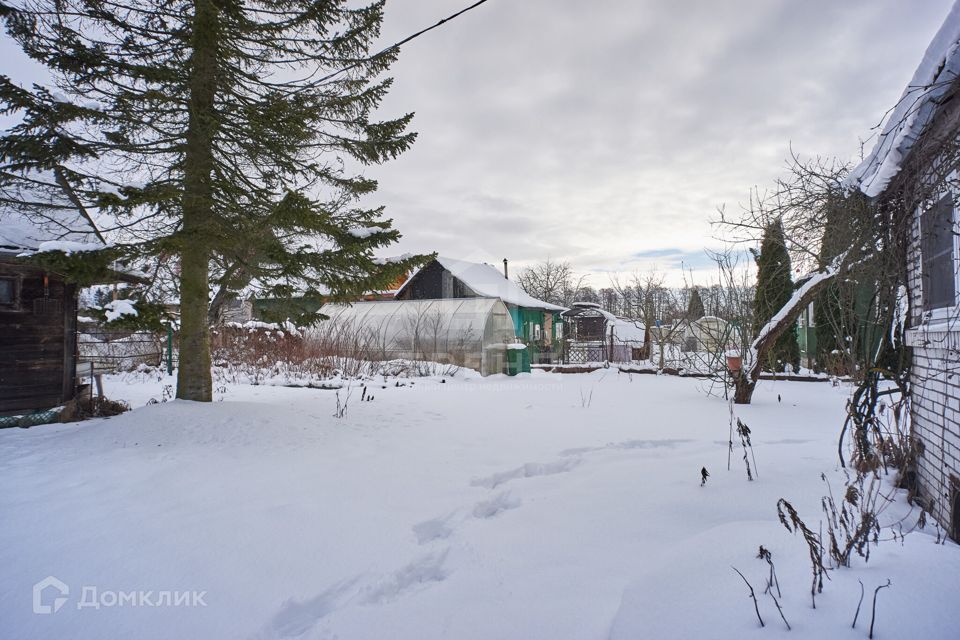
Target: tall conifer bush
774, 290
695, 309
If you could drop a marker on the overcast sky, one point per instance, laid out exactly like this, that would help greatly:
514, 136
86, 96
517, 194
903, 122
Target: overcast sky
608, 132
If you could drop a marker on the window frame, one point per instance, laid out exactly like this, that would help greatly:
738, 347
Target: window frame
945, 313
17, 304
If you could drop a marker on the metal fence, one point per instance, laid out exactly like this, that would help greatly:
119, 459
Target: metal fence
584, 352
120, 350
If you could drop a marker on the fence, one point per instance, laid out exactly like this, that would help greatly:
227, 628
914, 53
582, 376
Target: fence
119, 350
584, 352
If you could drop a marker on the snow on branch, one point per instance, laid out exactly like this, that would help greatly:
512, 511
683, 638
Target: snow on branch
782, 319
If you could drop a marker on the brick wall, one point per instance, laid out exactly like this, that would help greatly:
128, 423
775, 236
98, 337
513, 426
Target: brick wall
935, 410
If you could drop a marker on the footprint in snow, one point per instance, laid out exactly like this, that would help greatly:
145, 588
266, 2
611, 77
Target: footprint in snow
667, 443
296, 617
493, 506
528, 470
435, 529
420, 572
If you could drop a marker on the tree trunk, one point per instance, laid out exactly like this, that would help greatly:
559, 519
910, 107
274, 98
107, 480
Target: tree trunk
743, 388
746, 379
193, 376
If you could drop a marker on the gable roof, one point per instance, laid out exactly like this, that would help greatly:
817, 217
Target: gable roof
931, 82
486, 280
624, 330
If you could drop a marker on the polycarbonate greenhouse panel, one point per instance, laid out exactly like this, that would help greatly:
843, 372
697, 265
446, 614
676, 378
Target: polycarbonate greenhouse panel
470, 332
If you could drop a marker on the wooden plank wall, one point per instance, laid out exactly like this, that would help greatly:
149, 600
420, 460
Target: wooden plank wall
37, 342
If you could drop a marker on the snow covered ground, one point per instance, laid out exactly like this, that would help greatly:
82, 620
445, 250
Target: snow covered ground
544, 506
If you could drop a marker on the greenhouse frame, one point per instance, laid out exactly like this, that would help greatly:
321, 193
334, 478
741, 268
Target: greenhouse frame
467, 332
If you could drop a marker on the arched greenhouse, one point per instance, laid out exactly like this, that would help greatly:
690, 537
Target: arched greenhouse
468, 332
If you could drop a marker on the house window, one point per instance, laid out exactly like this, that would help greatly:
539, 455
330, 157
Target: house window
938, 282
537, 334
558, 329
9, 294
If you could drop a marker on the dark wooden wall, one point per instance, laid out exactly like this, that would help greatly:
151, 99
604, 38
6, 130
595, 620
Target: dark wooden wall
37, 342
427, 284
590, 327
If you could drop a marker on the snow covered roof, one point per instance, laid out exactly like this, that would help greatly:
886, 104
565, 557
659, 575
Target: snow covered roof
67, 232
623, 330
64, 232
932, 80
487, 281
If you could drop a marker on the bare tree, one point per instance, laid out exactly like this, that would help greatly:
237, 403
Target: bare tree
552, 281
659, 309
819, 215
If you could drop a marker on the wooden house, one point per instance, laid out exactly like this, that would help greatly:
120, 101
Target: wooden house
912, 173
537, 323
38, 322
38, 337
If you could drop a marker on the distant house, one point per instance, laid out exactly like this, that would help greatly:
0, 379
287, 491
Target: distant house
708, 334
596, 335
38, 320
390, 293
912, 172
537, 323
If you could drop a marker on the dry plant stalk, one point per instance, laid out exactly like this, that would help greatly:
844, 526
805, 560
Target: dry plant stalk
854, 525
744, 432
753, 595
873, 614
791, 520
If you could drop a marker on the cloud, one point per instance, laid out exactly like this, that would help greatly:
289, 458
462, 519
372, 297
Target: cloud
596, 134
608, 133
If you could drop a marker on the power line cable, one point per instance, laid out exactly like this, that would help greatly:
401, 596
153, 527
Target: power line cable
397, 45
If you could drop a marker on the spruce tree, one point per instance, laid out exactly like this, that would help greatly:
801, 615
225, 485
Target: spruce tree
218, 131
774, 290
695, 309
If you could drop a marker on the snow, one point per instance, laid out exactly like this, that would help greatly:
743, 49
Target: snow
914, 111
393, 259
487, 281
363, 232
542, 506
69, 247
119, 308
22, 233
257, 325
624, 330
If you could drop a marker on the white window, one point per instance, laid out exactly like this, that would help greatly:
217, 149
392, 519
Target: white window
938, 265
537, 332
558, 330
